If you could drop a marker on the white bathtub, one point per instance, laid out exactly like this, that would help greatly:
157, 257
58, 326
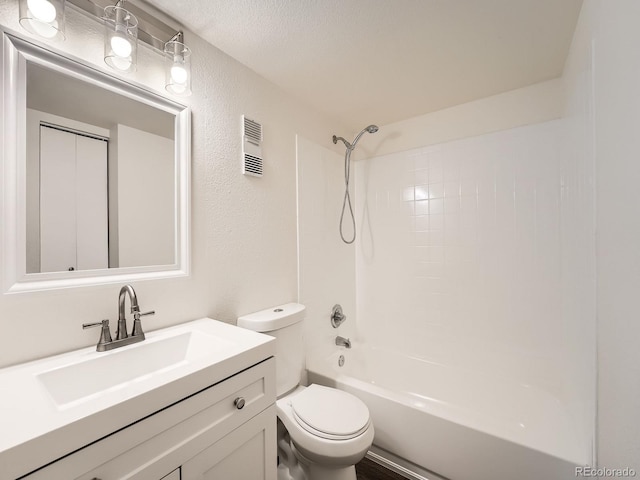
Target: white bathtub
456, 423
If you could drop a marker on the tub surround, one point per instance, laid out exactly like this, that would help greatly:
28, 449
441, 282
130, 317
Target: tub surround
469, 258
488, 243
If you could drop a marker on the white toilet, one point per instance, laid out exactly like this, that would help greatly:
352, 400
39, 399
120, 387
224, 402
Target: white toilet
322, 432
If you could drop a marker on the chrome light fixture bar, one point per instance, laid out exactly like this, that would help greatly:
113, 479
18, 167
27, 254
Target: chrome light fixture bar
151, 29
125, 24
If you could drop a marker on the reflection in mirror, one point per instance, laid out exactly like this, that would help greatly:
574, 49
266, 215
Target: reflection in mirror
100, 177
95, 184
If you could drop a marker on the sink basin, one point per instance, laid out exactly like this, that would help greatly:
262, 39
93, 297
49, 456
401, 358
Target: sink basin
117, 369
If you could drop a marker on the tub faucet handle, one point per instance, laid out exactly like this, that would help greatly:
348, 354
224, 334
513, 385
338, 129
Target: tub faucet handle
337, 316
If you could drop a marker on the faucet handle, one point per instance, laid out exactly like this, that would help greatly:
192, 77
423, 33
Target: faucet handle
92, 325
137, 325
105, 334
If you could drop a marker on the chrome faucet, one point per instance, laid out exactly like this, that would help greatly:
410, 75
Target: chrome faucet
121, 332
343, 342
122, 337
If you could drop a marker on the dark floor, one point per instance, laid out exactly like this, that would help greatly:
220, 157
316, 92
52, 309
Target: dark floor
368, 470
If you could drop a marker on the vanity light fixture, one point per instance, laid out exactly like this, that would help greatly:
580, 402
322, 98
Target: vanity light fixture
44, 18
177, 66
123, 28
120, 38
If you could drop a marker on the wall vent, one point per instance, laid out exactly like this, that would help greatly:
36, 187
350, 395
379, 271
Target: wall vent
251, 147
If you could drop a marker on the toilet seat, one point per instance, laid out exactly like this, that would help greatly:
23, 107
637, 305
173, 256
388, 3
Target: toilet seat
329, 413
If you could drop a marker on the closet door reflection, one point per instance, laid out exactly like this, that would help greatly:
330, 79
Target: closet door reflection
73, 201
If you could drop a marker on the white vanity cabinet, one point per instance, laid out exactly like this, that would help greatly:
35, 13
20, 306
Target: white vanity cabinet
205, 435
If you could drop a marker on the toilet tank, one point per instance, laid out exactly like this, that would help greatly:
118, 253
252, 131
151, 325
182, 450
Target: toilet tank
283, 322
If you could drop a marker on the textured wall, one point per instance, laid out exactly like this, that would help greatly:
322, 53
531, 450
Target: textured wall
243, 228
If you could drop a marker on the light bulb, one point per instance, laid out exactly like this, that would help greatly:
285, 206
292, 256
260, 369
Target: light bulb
42, 10
121, 46
179, 74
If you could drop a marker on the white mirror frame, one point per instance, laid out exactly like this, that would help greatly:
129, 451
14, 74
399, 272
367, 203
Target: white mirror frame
16, 52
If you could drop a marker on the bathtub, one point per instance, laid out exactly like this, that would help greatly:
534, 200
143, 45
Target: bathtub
459, 424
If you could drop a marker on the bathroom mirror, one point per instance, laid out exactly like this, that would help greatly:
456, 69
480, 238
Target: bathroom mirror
96, 175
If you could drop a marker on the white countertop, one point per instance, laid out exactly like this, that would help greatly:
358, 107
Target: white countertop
36, 428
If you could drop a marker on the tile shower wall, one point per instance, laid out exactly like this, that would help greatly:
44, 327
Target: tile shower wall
460, 254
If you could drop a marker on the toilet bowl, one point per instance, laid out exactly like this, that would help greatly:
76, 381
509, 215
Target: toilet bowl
322, 432
328, 429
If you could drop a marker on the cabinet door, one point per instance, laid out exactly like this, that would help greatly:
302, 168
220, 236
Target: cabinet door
247, 453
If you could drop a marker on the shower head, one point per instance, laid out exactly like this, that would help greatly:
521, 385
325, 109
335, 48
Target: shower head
352, 145
369, 129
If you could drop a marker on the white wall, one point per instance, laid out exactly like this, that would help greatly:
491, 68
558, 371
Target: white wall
327, 265
243, 228
579, 227
146, 198
524, 106
612, 26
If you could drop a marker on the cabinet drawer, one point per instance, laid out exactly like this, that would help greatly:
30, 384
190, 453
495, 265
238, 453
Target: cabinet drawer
156, 445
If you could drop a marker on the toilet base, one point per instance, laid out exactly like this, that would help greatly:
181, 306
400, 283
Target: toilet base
300, 471
316, 472
294, 466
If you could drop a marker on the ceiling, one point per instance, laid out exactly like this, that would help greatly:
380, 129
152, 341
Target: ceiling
380, 61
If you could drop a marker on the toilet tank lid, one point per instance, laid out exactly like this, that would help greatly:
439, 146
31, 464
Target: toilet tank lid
273, 318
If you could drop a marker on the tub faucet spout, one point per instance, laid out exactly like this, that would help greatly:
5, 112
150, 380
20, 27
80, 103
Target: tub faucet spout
343, 342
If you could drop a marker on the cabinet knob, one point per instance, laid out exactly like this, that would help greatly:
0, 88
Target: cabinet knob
239, 403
